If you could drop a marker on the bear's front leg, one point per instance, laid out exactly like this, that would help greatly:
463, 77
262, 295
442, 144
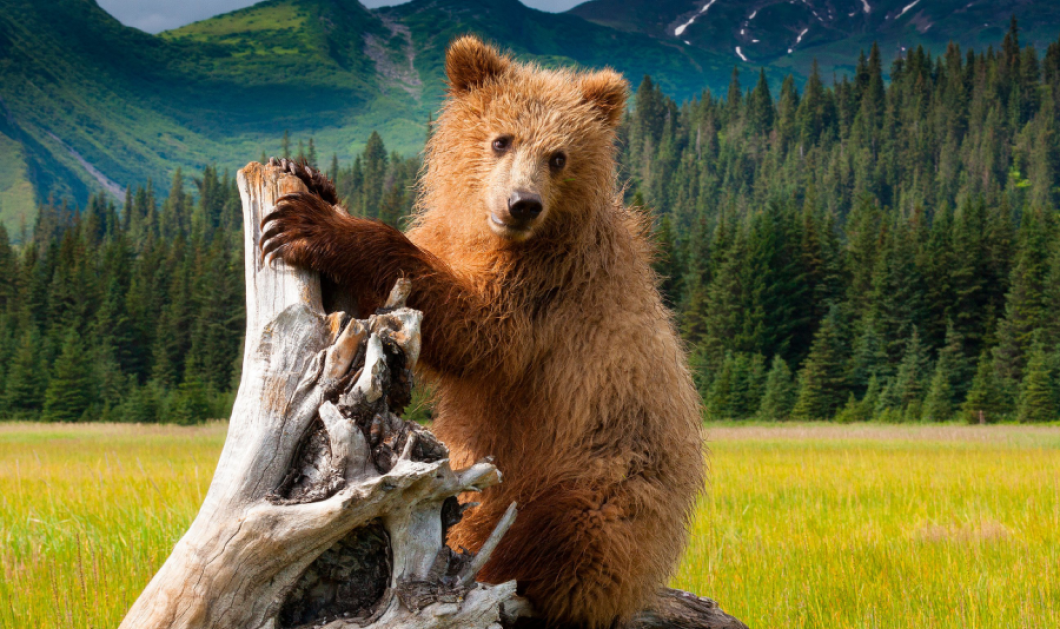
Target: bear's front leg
362, 255
460, 334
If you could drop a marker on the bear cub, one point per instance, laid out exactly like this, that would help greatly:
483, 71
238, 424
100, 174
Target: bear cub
544, 334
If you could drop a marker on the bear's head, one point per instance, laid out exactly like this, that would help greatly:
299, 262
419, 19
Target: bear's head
519, 150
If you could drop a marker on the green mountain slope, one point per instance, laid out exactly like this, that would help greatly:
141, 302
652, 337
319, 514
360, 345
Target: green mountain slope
87, 103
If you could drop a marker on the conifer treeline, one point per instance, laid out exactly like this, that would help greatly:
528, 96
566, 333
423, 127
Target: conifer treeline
138, 314
869, 249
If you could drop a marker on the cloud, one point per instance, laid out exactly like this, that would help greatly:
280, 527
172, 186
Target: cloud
155, 16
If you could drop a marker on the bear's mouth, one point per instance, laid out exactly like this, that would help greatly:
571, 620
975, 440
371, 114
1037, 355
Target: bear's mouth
510, 231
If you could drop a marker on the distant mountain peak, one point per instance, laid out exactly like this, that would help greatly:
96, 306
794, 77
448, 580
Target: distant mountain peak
790, 33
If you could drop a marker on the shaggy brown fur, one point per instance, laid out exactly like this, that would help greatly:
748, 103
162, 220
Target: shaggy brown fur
547, 340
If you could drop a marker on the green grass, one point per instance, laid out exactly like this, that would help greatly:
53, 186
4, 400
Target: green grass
879, 526
801, 526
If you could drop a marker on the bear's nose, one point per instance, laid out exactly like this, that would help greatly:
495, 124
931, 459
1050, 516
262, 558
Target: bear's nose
524, 206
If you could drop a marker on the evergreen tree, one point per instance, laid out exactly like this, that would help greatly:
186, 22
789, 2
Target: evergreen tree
696, 282
719, 398
850, 411
748, 384
176, 211
823, 385
762, 114
960, 368
217, 321
726, 317
896, 299
1037, 395
938, 405
869, 358
735, 97
375, 160
25, 377
871, 399
1051, 295
779, 394
985, 401
71, 391
911, 377
9, 273
1025, 305
666, 263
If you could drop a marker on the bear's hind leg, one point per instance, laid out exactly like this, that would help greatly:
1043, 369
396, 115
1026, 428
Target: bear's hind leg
584, 558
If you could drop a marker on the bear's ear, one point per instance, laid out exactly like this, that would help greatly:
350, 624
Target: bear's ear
469, 63
606, 91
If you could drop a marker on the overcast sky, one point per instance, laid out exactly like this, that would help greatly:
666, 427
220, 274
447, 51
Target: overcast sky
155, 16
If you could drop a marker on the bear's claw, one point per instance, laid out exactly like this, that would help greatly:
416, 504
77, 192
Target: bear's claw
317, 182
294, 230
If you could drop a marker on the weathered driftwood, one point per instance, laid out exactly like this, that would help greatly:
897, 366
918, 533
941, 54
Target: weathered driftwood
327, 509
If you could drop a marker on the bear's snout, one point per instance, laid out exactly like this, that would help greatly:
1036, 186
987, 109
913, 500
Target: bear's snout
524, 206
516, 217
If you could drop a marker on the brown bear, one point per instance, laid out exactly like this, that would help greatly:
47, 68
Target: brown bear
543, 331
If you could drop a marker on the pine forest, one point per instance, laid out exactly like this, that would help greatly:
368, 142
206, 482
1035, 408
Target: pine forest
881, 246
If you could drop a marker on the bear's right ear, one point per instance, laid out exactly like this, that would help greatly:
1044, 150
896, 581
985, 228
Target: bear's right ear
470, 62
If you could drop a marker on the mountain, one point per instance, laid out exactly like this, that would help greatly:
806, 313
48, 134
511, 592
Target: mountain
87, 103
791, 34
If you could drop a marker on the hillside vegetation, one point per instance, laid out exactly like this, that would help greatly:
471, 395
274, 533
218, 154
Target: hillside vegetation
864, 251
869, 249
97, 105
138, 315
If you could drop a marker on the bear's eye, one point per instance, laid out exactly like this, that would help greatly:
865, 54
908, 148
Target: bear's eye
502, 144
557, 162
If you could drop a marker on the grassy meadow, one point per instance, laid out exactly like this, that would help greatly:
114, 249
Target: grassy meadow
801, 525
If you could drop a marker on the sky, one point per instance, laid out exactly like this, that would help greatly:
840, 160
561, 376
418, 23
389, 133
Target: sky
155, 16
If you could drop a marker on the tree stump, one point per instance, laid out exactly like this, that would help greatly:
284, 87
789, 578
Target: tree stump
327, 509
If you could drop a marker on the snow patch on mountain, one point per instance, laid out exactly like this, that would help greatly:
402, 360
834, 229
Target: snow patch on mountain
681, 29
799, 38
740, 54
865, 5
907, 7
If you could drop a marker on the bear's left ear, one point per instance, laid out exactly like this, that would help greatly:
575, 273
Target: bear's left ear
606, 91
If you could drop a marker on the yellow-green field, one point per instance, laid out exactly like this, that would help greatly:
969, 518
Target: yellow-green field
801, 526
